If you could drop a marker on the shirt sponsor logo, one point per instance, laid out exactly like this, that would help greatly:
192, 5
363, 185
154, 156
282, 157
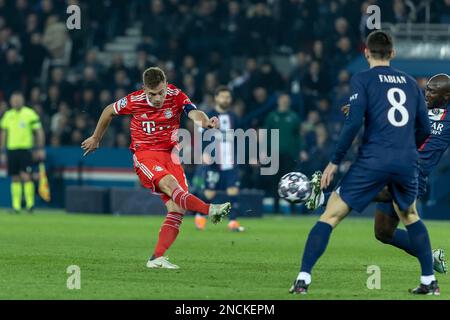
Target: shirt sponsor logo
437, 128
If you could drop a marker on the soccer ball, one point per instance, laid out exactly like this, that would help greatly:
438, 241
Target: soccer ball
294, 187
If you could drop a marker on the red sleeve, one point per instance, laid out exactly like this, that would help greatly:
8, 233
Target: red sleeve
184, 102
123, 106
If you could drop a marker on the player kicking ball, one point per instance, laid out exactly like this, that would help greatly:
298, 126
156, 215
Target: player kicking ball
437, 94
392, 107
156, 112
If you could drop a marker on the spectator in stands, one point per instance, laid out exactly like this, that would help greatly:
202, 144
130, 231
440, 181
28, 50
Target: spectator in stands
117, 64
155, 27
51, 103
90, 79
190, 88
318, 154
343, 54
55, 37
34, 54
32, 25
269, 78
59, 121
341, 29
35, 96
256, 109
233, 29
66, 89
315, 83
121, 81
89, 103
259, 28
308, 126
91, 60
12, 73
287, 123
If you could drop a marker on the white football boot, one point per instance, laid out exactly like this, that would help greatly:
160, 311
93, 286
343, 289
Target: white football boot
161, 263
439, 261
218, 211
317, 197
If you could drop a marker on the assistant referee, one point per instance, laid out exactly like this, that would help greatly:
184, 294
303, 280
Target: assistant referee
19, 126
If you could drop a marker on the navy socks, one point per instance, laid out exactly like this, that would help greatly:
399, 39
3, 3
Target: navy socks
420, 243
315, 245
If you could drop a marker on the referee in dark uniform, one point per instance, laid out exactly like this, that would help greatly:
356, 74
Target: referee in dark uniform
19, 126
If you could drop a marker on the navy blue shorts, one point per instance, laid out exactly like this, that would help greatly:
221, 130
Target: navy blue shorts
388, 208
216, 179
360, 186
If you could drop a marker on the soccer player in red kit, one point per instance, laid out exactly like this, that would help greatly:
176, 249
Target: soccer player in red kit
156, 112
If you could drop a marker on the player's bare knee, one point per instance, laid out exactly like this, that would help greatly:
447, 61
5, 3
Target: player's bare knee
335, 211
384, 227
173, 207
409, 215
382, 234
168, 184
332, 217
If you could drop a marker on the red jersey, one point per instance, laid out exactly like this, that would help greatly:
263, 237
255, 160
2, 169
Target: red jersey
154, 128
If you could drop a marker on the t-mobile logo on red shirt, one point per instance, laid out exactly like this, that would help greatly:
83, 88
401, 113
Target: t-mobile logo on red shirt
148, 126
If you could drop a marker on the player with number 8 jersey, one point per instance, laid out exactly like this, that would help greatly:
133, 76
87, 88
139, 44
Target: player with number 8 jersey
156, 112
392, 108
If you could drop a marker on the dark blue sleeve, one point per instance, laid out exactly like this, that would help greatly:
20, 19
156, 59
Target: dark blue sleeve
354, 120
189, 107
423, 129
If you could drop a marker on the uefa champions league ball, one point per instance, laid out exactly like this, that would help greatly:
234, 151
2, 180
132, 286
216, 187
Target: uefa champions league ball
294, 187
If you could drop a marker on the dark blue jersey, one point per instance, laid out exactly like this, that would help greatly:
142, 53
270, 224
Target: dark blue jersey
392, 107
226, 148
431, 151
227, 120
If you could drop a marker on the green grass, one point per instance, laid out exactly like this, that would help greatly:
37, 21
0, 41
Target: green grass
261, 263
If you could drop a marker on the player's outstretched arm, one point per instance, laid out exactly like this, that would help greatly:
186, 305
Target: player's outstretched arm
199, 117
91, 144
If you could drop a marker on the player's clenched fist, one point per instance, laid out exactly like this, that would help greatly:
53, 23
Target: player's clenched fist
213, 123
90, 145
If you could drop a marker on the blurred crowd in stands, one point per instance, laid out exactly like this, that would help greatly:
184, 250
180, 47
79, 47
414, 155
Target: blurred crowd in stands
200, 44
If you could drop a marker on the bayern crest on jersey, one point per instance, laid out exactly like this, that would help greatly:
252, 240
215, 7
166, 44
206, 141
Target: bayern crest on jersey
168, 113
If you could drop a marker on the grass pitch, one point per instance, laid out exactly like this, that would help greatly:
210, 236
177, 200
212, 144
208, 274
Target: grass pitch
35, 251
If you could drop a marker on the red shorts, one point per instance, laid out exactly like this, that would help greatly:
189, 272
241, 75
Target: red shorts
152, 166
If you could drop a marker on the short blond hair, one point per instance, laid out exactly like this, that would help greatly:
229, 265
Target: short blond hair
153, 76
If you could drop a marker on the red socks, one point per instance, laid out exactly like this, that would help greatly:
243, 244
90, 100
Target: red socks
168, 233
171, 226
188, 201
